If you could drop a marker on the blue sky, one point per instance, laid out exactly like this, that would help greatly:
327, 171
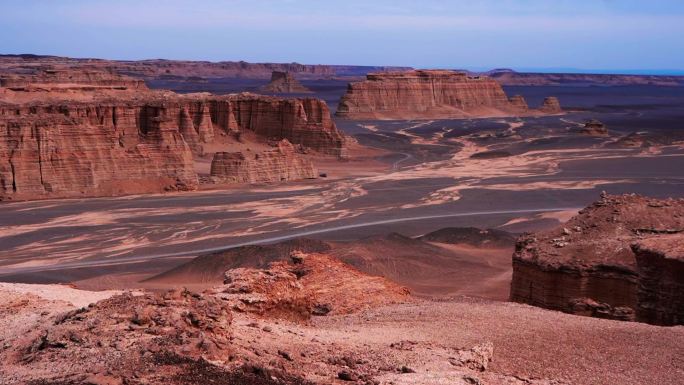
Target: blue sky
607, 35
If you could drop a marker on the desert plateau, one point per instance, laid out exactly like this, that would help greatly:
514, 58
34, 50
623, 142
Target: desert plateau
200, 208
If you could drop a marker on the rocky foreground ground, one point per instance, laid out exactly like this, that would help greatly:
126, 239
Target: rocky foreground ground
314, 320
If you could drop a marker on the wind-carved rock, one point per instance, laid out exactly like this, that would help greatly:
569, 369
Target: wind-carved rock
63, 144
551, 105
429, 94
284, 83
594, 127
282, 163
588, 267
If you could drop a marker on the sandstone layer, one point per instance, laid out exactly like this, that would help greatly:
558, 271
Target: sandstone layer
430, 94
282, 163
85, 78
587, 266
121, 141
284, 83
660, 294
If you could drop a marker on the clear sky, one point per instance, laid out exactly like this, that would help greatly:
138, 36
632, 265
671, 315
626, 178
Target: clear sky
607, 35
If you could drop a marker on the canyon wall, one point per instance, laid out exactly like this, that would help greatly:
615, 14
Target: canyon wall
142, 143
423, 94
282, 163
587, 266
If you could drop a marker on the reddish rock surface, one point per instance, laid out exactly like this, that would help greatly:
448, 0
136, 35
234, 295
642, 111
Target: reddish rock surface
660, 294
284, 83
308, 284
85, 78
427, 94
594, 127
586, 266
551, 105
282, 163
82, 139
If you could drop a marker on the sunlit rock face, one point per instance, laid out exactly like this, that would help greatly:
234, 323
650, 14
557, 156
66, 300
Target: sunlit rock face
428, 94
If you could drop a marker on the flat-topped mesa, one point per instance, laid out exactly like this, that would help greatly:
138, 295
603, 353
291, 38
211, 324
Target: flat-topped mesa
280, 164
588, 267
428, 94
284, 83
72, 78
141, 144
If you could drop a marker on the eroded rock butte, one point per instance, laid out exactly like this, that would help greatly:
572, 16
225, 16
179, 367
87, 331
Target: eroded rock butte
432, 94
588, 265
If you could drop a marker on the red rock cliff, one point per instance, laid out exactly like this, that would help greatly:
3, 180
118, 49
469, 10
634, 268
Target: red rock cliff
660, 263
586, 266
140, 144
423, 94
282, 163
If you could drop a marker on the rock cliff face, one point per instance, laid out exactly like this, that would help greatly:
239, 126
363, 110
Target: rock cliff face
424, 94
71, 78
660, 294
86, 150
301, 121
282, 163
141, 142
587, 266
284, 83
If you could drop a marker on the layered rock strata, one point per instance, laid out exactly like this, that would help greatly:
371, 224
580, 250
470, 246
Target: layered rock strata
427, 94
660, 293
87, 78
550, 105
284, 83
587, 267
143, 143
282, 163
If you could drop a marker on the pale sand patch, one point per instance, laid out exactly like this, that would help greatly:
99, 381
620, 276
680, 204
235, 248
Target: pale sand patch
561, 216
76, 297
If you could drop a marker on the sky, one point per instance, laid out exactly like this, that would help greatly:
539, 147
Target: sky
629, 36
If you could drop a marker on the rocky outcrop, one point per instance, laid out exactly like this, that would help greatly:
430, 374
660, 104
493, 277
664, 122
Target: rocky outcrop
141, 143
551, 105
87, 150
80, 78
282, 163
427, 94
519, 102
308, 284
304, 121
587, 266
660, 293
284, 83
594, 127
